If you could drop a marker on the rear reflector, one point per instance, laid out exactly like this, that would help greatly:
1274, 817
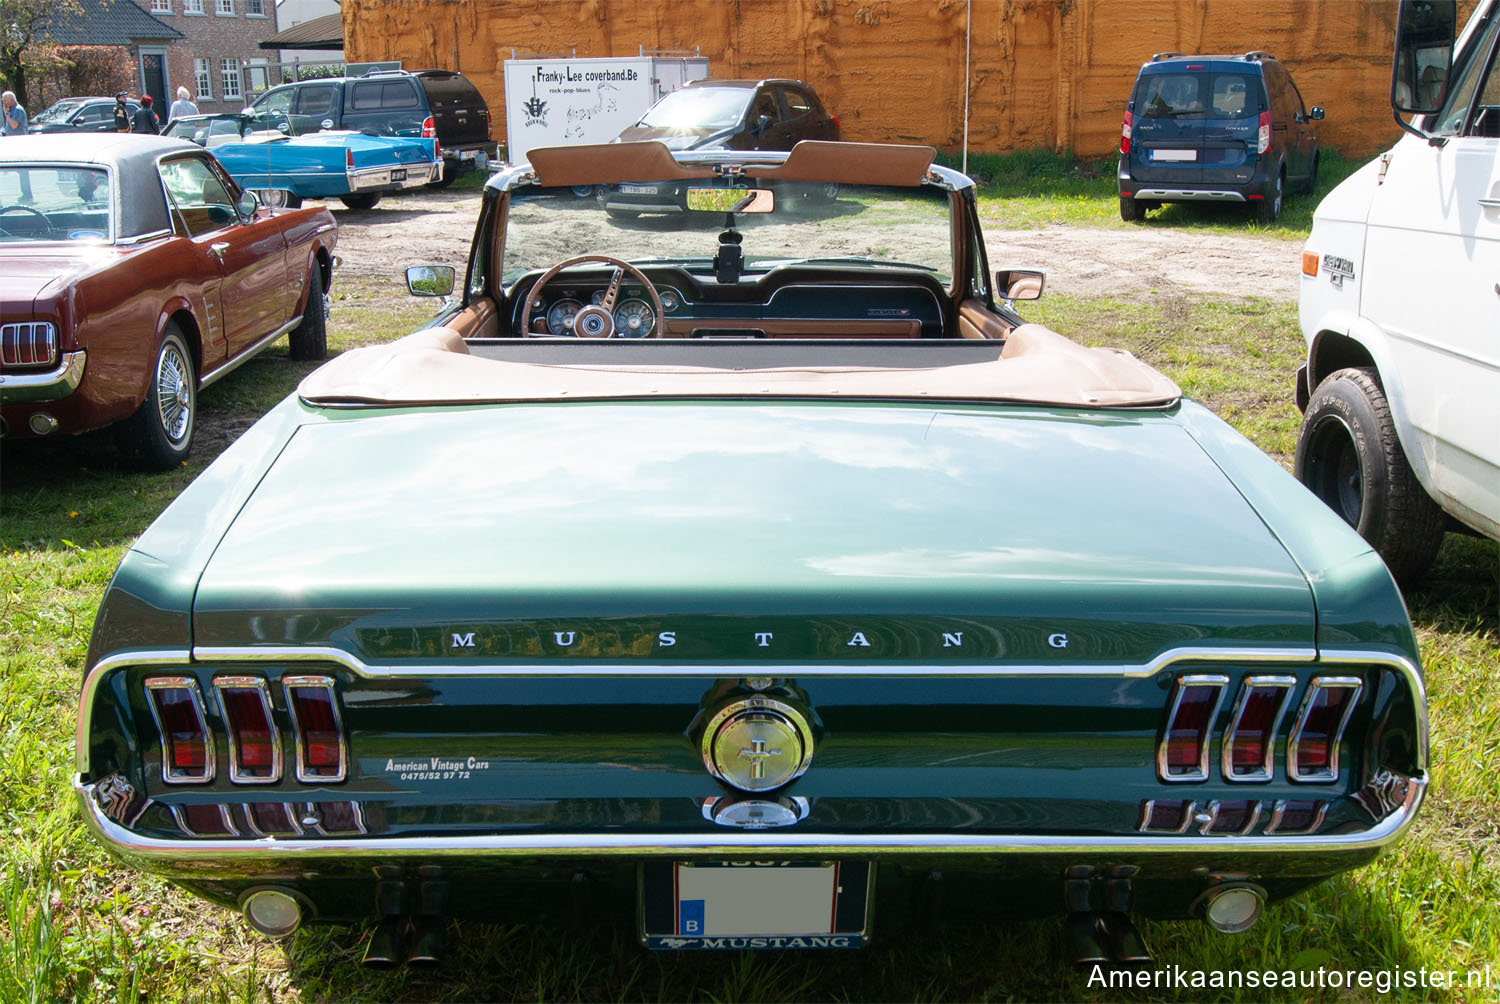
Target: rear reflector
254, 742
1250, 743
1313, 753
1182, 752
1167, 815
187, 751
1263, 135
1297, 816
1125, 134
315, 720
1310, 263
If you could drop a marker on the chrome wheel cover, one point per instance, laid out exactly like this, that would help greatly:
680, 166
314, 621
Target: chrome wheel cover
174, 393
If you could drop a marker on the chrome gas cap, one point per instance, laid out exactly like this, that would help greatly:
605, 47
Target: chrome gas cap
757, 744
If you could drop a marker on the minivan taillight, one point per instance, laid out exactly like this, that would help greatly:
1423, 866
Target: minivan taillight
1263, 137
1313, 752
1125, 134
488, 134
429, 128
187, 750
315, 719
1182, 751
254, 742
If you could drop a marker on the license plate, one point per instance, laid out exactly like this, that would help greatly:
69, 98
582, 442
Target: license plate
755, 904
467, 154
638, 189
399, 174
1174, 155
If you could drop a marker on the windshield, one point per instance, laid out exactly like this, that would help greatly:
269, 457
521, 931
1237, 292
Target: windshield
58, 112
709, 108
859, 227
54, 204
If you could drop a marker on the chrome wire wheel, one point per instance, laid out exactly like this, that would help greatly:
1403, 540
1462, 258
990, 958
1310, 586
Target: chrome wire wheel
174, 392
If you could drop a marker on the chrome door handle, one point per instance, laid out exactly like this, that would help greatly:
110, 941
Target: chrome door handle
218, 248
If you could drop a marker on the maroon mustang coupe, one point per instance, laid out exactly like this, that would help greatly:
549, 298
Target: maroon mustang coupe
134, 272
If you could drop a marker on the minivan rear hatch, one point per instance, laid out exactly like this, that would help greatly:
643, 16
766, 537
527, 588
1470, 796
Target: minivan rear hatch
458, 109
1194, 125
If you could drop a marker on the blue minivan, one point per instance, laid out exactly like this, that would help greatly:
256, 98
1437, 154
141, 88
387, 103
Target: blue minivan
1215, 129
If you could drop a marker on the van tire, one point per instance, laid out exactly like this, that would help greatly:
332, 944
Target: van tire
1132, 210
1348, 455
1267, 210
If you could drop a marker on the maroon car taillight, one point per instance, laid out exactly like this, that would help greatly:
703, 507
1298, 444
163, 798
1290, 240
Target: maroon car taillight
429, 128
1263, 136
1182, 752
315, 719
1250, 743
187, 749
254, 742
1125, 134
1313, 752
28, 343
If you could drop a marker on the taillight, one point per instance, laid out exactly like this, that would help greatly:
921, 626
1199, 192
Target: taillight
338, 817
1294, 816
349, 158
437, 152
187, 750
1313, 752
1167, 815
429, 128
1232, 817
488, 134
1182, 752
254, 742
1250, 743
205, 820
1263, 136
315, 719
270, 819
1125, 134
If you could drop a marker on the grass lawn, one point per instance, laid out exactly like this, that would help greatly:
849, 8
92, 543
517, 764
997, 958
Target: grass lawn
74, 925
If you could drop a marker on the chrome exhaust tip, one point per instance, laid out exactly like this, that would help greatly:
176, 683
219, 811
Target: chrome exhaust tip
428, 940
1126, 945
386, 943
1085, 940
272, 911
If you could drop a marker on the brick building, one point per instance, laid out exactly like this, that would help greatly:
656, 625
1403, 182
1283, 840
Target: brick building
218, 59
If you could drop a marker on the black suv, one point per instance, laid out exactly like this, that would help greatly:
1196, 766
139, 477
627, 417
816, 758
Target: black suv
437, 104
1216, 129
711, 114
79, 115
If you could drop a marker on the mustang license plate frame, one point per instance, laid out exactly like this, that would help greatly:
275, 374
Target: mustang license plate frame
755, 904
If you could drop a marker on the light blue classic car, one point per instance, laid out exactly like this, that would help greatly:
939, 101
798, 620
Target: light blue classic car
354, 167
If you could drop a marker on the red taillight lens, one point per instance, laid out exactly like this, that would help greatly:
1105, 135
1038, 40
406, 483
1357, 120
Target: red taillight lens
437, 152
339, 817
1236, 817
1295, 816
1263, 136
1125, 134
348, 158
254, 743
187, 752
1182, 753
429, 128
210, 820
1251, 740
1313, 753
315, 716
1166, 815
272, 819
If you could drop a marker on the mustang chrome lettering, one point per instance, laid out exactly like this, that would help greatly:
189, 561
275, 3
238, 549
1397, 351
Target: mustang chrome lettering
564, 638
1057, 640
953, 639
860, 640
667, 639
463, 640
763, 638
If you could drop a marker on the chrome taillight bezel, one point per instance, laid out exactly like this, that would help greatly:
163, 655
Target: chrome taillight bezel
304, 771
170, 774
262, 690
1220, 683
179, 816
1267, 769
1278, 816
1213, 810
1148, 810
1304, 712
293, 821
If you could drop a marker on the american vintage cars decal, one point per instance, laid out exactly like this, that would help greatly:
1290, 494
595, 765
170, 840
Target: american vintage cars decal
435, 768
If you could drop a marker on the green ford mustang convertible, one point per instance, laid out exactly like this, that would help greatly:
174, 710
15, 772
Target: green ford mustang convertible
729, 548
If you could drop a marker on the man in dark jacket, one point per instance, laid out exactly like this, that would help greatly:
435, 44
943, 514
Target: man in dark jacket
122, 114
145, 119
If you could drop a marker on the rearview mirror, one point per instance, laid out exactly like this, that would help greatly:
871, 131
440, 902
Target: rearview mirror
731, 200
430, 280
1020, 283
1425, 30
247, 205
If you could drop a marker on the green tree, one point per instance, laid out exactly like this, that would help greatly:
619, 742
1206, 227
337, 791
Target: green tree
26, 47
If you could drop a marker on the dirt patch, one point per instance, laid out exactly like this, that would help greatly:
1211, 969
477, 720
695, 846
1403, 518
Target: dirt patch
1138, 263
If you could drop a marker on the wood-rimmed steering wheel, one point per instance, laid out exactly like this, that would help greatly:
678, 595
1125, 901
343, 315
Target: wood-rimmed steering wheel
597, 320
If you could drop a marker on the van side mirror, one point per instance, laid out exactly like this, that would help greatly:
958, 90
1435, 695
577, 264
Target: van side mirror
1316, 113
1425, 30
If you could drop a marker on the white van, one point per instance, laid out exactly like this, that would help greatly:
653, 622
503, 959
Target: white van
1400, 306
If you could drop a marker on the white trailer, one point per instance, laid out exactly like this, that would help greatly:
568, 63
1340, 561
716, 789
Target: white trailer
562, 101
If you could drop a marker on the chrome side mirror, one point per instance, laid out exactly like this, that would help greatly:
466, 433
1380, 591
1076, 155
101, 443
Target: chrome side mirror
430, 280
247, 205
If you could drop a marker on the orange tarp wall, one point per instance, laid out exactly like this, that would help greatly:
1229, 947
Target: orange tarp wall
1042, 73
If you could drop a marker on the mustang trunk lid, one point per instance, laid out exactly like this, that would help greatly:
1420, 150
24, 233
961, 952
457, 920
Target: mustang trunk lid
862, 531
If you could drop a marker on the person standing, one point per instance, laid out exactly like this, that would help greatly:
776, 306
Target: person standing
14, 124
182, 107
122, 114
145, 119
